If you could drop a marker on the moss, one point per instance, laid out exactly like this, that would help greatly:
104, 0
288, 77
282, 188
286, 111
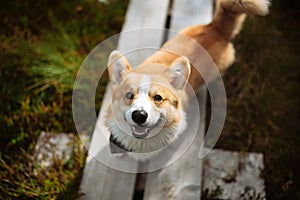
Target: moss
263, 96
42, 45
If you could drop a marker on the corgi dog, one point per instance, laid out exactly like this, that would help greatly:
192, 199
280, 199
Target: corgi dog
149, 102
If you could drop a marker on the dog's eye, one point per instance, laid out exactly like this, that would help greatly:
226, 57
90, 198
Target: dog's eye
129, 95
157, 98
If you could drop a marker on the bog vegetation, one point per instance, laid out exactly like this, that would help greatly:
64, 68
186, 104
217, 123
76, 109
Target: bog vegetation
42, 44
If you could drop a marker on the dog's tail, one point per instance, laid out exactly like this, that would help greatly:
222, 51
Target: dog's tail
230, 14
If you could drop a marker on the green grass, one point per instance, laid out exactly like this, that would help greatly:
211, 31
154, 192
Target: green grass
42, 45
23, 179
263, 97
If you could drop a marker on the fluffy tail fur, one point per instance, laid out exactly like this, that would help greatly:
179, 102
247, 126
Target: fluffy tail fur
230, 14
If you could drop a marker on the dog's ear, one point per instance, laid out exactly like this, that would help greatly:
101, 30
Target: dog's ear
179, 72
118, 66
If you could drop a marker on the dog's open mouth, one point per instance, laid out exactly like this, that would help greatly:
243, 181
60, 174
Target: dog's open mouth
140, 132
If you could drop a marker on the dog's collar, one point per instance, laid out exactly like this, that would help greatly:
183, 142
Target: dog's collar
116, 146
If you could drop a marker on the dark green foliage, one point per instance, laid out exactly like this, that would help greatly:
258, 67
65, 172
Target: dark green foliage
263, 97
42, 45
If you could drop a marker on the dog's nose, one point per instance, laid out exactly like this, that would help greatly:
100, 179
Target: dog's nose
139, 116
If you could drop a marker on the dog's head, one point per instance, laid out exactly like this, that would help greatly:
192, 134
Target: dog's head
146, 111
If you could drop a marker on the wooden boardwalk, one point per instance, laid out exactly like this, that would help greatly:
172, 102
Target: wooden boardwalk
182, 179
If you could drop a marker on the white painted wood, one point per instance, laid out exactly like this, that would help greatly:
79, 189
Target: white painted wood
99, 181
182, 179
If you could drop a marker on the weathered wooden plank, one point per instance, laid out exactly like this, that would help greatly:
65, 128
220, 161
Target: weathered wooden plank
191, 12
100, 181
233, 175
182, 179
141, 18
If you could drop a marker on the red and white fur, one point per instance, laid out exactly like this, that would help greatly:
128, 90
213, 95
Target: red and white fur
148, 109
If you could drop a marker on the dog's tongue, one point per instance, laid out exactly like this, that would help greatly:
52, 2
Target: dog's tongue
140, 132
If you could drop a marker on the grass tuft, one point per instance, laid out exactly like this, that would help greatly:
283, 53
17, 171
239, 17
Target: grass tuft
262, 89
42, 45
